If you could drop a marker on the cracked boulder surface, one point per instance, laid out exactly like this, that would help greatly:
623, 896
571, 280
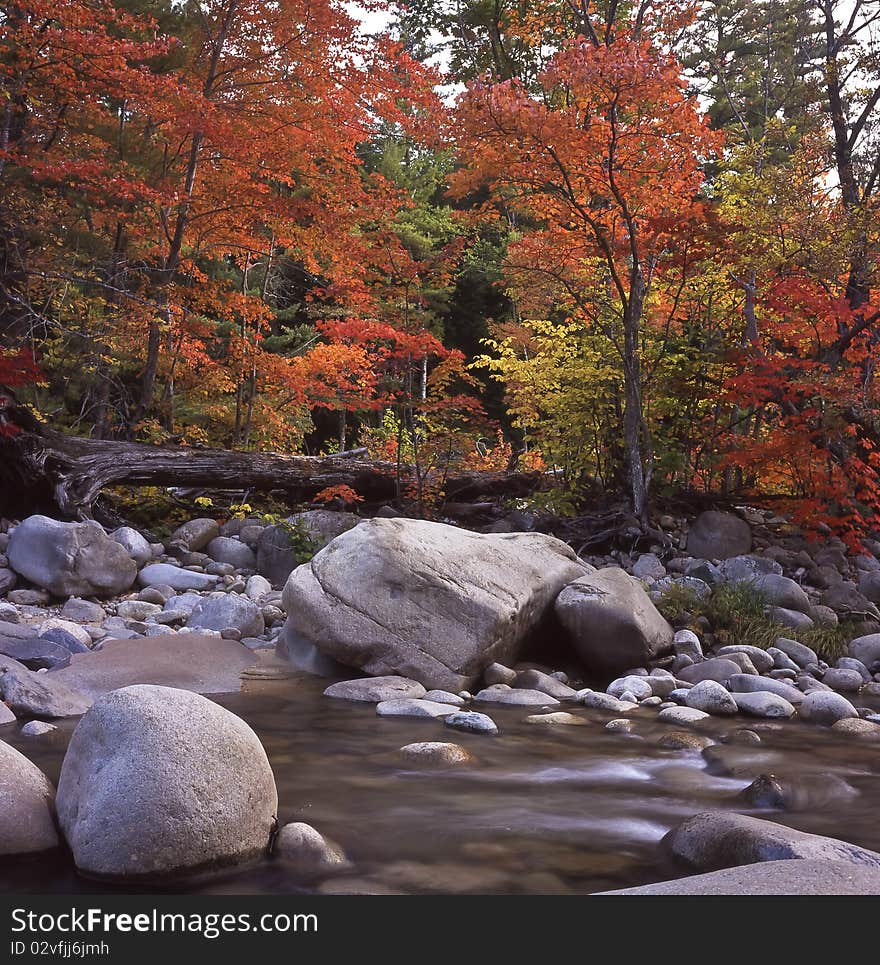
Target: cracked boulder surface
427, 601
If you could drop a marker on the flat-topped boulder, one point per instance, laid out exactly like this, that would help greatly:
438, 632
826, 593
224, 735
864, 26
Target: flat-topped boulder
425, 600
188, 661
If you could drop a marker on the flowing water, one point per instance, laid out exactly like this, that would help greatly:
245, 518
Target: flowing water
543, 810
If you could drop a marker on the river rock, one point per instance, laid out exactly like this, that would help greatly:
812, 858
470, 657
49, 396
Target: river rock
791, 877
27, 805
136, 545
6, 715
159, 782
502, 694
748, 569
684, 740
783, 592
826, 707
222, 611
711, 697
763, 703
839, 678
605, 702
435, 754
35, 654
857, 727
681, 715
801, 654
70, 559
307, 851
497, 673
224, 549
538, 680
444, 697
37, 728
426, 600
718, 839
196, 534
718, 669
257, 587
8, 580
166, 574
648, 567
866, 649
749, 684
850, 663
375, 689
471, 722
189, 661
762, 660
557, 718
83, 611
137, 609
639, 687
612, 623
717, 536
789, 618
32, 694
410, 707
688, 643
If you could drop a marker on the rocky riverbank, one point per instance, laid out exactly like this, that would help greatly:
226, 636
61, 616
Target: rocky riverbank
420, 620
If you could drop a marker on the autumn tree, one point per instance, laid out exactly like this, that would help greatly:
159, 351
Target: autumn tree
607, 162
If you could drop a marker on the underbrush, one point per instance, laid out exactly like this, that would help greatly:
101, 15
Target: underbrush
735, 614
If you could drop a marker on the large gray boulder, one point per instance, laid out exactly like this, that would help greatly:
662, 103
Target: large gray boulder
222, 611
188, 661
27, 805
718, 536
425, 600
718, 839
866, 649
277, 554
611, 622
70, 559
160, 782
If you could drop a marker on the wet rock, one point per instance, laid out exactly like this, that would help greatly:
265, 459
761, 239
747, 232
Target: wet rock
681, 715
839, 678
763, 704
748, 684
557, 718
70, 559
742, 735
307, 852
718, 536
850, 663
612, 623
799, 653
826, 707
32, 694
166, 574
375, 689
426, 600
718, 839
471, 722
196, 534
684, 740
765, 791
410, 707
27, 824
857, 727
134, 799
37, 728
220, 611
502, 694
435, 754
136, 545
710, 697
718, 669
620, 725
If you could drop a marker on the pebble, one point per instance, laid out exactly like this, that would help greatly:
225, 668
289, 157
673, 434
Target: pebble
471, 722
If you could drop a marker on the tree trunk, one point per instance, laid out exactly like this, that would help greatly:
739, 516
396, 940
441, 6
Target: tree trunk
43, 470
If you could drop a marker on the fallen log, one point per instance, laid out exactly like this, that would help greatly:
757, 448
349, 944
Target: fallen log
44, 470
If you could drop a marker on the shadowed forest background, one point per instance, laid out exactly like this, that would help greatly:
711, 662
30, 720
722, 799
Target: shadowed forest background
633, 245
